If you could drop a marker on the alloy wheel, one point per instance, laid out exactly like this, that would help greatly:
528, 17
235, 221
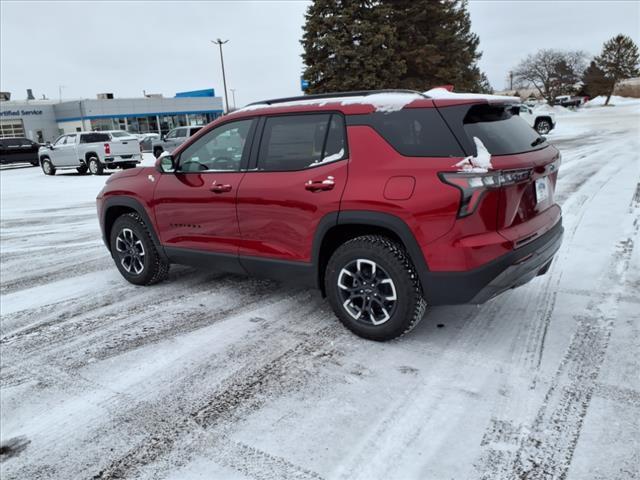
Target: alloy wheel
130, 251
367, 292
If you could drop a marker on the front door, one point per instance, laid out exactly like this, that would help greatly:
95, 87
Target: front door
64, 151
299, 177
195, 206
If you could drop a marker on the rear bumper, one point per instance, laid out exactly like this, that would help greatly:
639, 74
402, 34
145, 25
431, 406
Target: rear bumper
117, 160
508, 271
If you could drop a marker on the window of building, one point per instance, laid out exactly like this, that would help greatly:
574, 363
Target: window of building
11, 128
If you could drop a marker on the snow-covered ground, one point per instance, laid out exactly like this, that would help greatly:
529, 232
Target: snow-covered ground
218, 376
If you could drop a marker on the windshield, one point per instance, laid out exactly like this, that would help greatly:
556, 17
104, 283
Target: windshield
121, 134
502, 132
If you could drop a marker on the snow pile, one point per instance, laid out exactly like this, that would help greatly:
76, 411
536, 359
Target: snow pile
381, 102
481, 163
615, 100
443, 93
330, 158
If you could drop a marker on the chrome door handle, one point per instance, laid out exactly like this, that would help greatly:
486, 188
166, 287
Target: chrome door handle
320, 185
220, 188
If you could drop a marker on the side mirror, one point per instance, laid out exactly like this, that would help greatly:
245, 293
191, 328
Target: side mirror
165, 163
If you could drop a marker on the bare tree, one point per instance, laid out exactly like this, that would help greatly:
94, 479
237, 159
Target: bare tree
551, 72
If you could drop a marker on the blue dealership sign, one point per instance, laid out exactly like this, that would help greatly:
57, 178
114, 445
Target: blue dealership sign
304, 84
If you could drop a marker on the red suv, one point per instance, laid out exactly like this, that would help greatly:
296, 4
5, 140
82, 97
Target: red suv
385, 201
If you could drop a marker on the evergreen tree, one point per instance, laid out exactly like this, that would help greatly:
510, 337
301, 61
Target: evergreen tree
594, 82
436, 42
619, 60
350, 45
374, 44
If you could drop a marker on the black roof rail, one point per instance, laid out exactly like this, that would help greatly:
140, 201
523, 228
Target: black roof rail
356, 93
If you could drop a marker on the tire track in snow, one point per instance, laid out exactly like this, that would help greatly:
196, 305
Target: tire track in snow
545, 449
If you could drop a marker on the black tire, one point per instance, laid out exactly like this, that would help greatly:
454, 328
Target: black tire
543, 126
95, 166
154, 267
47, 167
82, 169
157, 151
392, 262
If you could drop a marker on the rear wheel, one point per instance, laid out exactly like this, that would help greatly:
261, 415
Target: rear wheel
157, 151
47, 167
95, 167
373, 288
543, 127
134, 252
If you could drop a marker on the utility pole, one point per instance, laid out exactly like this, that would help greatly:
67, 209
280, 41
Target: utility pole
510, 80
233, 95
224, 79
60, 87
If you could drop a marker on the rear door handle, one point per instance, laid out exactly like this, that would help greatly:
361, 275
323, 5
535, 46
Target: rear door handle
220, 188
320, 185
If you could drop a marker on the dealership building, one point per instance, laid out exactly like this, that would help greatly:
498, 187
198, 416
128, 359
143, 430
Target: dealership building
44, 120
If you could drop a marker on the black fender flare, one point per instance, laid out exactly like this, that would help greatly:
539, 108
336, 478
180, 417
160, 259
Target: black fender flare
375, 219
135, 205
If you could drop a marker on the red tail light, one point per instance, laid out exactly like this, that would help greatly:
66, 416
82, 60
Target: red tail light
473, 185
107, 149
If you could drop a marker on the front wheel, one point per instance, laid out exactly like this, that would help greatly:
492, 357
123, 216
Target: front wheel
134, 252
373, 288
95, 167
543, 127
47, 167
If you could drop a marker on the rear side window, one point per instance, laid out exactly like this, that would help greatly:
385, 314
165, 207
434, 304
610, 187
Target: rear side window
502, 132
94, 138
195, 130
296, 142
413, 132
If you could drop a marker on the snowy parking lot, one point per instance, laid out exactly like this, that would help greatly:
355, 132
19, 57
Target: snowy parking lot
218, 376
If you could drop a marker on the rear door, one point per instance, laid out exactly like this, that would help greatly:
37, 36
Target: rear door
195, 206
298, 176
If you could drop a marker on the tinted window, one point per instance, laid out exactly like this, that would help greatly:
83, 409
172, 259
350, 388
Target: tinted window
195, 130
94, 138
413, 132
297, 142
221, 149
121, 134
502, 132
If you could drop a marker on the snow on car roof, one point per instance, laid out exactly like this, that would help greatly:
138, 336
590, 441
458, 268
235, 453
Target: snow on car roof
440, 93
381, 102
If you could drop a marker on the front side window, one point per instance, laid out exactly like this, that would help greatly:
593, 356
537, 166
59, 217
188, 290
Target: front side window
71, 139
296, 142
172, 134
219, 150
60, 140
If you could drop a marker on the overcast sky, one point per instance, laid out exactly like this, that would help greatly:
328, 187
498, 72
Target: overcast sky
164, 47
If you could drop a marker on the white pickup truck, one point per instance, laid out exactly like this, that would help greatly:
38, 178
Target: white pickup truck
89, 152
542, 121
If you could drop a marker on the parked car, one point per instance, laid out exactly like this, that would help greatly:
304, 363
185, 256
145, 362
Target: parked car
89, 152
542, 121
570, 101
18, 150
169, 142
387, 202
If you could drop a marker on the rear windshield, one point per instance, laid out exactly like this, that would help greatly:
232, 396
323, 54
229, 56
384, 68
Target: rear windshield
94, 137
501, 131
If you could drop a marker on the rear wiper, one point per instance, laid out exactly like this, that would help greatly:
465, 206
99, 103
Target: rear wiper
538, 141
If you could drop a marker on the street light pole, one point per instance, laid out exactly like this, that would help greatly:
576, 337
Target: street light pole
224, 79
233, 95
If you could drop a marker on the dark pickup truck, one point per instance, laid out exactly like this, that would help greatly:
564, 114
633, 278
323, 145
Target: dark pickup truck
18, 150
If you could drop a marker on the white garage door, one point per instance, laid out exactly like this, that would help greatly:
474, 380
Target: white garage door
11, 128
